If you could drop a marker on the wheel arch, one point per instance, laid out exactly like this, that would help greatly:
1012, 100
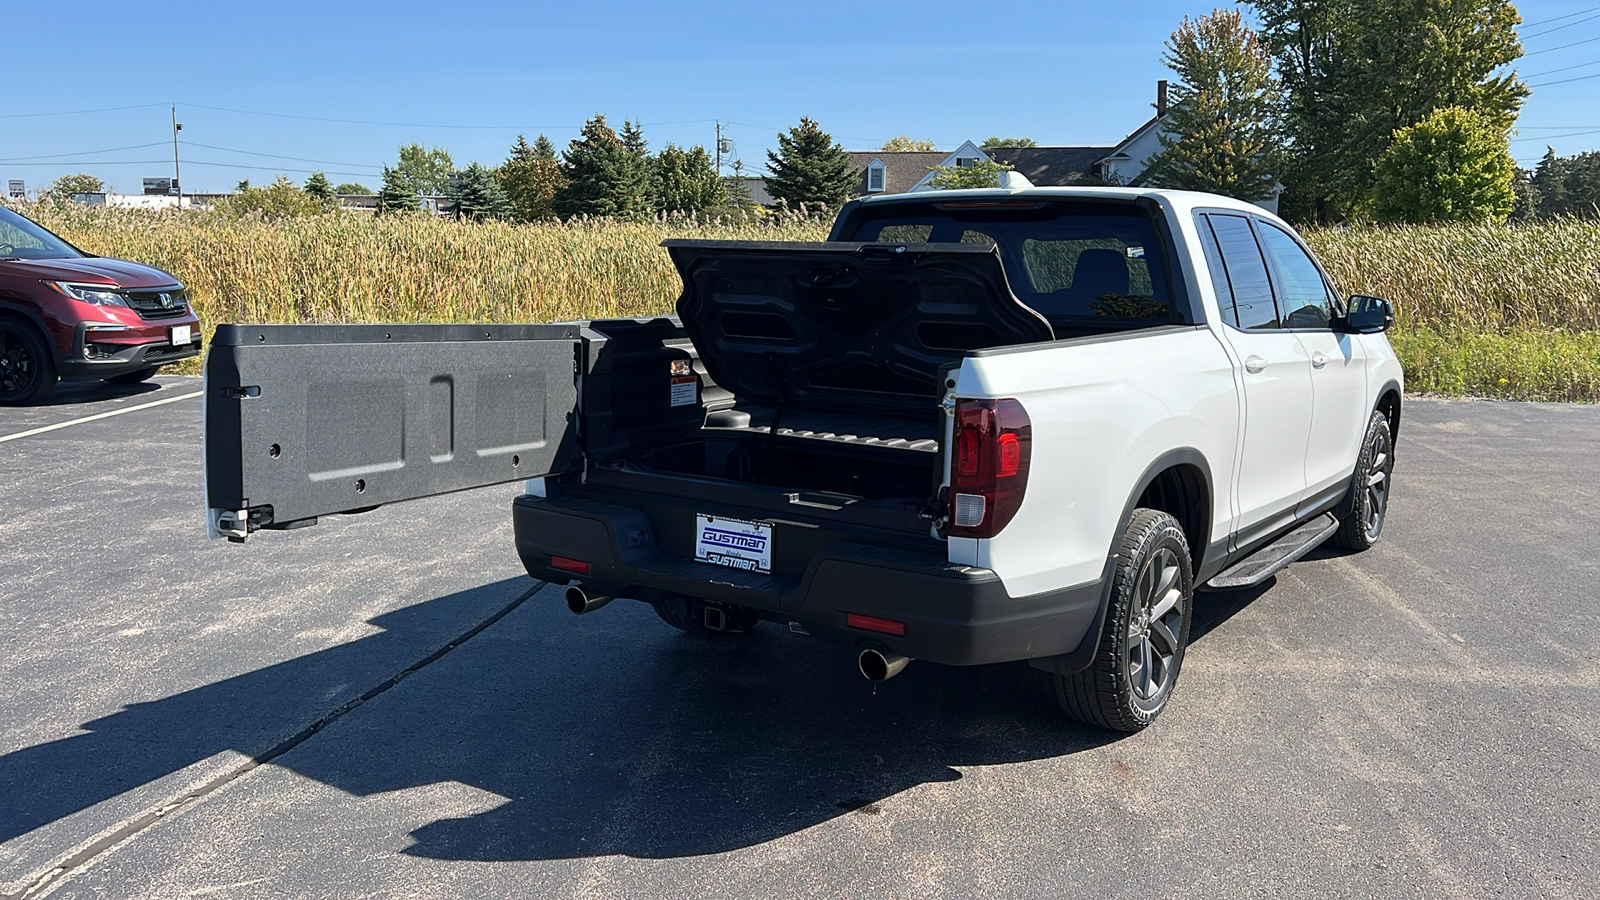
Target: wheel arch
1389, 400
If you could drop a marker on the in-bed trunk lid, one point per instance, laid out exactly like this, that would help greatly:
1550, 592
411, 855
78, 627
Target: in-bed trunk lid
839, 325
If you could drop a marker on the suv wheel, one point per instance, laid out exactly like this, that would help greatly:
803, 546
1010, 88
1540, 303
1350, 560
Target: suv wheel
1146, 630
27, 370
1369, 488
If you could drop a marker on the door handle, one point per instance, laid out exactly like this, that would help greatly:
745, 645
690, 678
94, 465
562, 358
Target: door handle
1254, 364
1318, 360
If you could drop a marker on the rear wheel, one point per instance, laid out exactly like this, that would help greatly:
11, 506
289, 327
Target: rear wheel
134, 377
27, 370
1369, 488
1146, 630
705, 618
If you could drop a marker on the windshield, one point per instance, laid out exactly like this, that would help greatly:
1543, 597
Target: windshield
22, 239
1075, 264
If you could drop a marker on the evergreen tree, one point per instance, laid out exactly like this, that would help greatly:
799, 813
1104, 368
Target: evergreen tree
531, 177
1453, 166
242, 186
319, 188
686, 180
640, 184
809, 169
1567, 186
1550, 182
477, 195
1221, 133
602, 175
397, 194
736, 193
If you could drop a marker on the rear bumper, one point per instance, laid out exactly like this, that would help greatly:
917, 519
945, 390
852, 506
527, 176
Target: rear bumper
953, 614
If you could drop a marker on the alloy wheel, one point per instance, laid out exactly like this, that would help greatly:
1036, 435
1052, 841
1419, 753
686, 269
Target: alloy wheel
1378, 482
1154, 624
18, 367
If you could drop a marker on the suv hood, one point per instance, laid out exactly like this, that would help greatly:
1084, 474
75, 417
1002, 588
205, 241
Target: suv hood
93, 269
831, 324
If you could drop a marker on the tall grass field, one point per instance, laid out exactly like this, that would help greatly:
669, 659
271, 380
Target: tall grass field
1506, 311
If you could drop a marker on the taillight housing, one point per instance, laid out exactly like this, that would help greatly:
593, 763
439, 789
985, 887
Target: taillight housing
989, 453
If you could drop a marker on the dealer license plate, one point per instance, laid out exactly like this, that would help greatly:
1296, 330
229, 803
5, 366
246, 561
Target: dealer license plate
180, 335
734, 543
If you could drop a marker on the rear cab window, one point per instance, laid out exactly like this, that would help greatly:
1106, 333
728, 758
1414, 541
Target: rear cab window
1088, 267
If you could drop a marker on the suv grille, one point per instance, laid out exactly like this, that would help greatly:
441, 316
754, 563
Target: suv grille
163, 304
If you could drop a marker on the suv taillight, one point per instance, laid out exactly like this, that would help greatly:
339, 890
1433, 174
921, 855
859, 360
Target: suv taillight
988, 466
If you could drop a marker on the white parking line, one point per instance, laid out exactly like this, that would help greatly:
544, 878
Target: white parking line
104, 415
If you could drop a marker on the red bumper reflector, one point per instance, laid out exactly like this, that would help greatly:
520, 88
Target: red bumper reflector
569, 565
872, 623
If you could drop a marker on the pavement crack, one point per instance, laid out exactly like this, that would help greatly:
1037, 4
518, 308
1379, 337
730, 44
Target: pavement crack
131, 829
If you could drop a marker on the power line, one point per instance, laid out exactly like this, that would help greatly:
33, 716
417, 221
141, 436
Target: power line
1562, 47
1560, 27
522, 127
1551, 137
1559, 18
78, 112
84, 152
325, 162
1565, 80
1563, 69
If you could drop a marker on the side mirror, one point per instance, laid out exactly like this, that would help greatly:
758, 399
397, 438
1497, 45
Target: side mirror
1368, 315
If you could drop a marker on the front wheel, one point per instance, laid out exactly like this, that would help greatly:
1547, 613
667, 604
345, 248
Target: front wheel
27, 370
1369, 487
1146, 630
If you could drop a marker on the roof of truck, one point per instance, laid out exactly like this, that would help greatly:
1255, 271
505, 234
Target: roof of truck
1180, 200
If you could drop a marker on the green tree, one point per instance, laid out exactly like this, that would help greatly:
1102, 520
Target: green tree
242, 186
1453, 166
1222, 131
991, 143
735, 191
982, 173
318, 187
602, 175
531, 177
426, 171
686, 180
397, 194
809, 169
281, 199
1357, 71
640, 182
64, 187
477, 195
1567, 185
351, 188
903, 143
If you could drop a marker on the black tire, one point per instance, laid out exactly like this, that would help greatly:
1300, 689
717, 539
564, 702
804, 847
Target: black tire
27, 367
134, 377
688, 614
1370, 486
1137, 663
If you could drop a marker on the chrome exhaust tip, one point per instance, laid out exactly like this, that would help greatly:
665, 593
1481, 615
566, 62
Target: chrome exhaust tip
580, 601
880, 665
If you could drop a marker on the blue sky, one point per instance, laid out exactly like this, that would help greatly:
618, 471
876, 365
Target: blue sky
470, 76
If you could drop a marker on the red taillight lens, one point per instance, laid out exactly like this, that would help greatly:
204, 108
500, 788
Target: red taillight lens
569, 565
873, 623
989, 468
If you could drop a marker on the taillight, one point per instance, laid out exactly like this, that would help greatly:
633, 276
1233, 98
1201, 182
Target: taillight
989, 468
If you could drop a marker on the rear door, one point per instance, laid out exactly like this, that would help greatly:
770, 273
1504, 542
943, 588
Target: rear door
1276, 377
306, 420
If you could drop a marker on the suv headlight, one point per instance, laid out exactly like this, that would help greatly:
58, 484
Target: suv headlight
98, 294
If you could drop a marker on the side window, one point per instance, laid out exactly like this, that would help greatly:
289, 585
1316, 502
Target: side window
1247, 272
1304, 294
1219, 274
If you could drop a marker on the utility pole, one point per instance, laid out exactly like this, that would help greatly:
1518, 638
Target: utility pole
719, 148
177, 182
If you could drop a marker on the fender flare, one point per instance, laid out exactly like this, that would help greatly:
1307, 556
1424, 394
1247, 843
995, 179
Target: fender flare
1082, 657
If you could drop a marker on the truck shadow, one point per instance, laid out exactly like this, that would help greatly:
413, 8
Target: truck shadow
606, 734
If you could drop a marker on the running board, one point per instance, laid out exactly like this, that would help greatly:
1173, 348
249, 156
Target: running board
1269, 560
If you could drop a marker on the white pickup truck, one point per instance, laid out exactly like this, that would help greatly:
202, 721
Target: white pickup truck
972, 427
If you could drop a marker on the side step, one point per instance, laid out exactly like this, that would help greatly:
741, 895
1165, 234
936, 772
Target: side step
1266, 562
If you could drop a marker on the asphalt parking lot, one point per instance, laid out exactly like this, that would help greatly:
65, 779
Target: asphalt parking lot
386, 705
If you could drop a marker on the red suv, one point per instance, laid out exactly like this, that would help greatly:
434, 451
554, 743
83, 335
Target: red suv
66, 314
